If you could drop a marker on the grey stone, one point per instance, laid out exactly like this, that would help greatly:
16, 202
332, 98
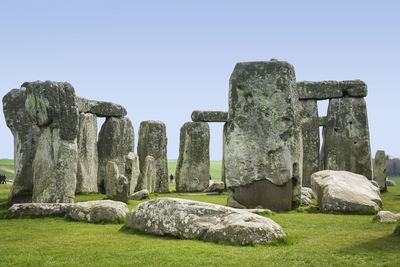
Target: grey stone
380, 169
322, 121
390, 183
209, 116
147, 178
99, 211
215, 186
26, 135
193, 167
112, 175
319, 90
140, 195
100, 108
308, 192
305, 201
116, 140
310, 134
263, 148
346, 143
40, 209
387, 216
343, 191
153, 142
189, 219
86, 178
130, 171
355, 88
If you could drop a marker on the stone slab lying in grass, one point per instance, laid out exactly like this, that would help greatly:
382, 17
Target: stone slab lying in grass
97, 211
142, 194
387, 216
40, 209
215, 186
345, 192
190, 219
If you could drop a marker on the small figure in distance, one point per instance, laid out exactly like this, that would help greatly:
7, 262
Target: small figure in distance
171, 178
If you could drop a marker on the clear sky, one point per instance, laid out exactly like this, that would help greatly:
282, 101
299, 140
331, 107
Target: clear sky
164, 59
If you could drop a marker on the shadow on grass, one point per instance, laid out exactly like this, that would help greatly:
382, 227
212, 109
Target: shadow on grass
388, 244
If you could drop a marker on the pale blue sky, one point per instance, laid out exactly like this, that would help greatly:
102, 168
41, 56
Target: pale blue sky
164, 59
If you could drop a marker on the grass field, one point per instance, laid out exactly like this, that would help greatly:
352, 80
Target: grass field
7, 168
396, 179
314, 239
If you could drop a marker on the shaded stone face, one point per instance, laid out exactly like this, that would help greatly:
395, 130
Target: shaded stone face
100, 108
148, 178
209, 116
130, 171
26, 135
263, 135
346, 143
380, 169
153, 142
331, 89
310, 134
193, 167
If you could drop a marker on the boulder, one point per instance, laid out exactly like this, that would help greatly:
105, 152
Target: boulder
116, 140
193, 167
142, 194
86, 178
390, 183
380, 169
99, 211
26, 135
188, 219
305, 201
100, 108
263, 147
215, 186
153, 142
130, 171
306, 196
344, 191
147, 178
209, 116
387, 216
40, 209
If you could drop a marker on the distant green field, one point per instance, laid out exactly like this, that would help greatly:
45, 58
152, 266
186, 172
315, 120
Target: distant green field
7, 168
215, 168
396, 179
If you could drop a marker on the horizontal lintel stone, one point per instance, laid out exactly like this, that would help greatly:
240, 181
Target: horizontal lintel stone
100, 108
331, 89
209, 116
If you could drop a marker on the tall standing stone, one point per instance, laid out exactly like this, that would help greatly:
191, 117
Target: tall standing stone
263, 149
153, 142
130, 171
380, 169
346, 143
26, 135
310, 134
193, 167
148, 177
52, 106
86, 179
116, 140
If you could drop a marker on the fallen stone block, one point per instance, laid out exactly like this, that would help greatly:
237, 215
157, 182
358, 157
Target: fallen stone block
40, 209
99, 211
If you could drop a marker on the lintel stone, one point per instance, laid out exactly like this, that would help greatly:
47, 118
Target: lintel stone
209, 116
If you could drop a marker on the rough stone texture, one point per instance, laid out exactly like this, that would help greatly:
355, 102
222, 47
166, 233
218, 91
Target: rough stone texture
100, 108
40, 209
52, 106
223, 178
193, 167
380, 169
99, 211
142, 194
310, 134
215, 186
86, 178
355, 88
308, 192
198, 220
346, 143
209, 116
345, 191
263, 148
147, 178
130, 171
322, 121
26, 136
331, 89
153, 142
387, 216
116, 140
112, 175
390, 183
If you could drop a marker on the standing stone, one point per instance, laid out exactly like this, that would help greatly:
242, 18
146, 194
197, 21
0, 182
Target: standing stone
153, 142
346, 144
112, 175
310, 134
116, 140
130, 171
52, 106
263, 148
86, 178
193, 167
223, 179
26, 135
147, 178
380, 169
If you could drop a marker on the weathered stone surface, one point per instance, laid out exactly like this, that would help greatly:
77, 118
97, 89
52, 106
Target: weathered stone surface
380, 169
322, 121
387, 216
390, 183
198, 220
142, 194
193, 167
345, 191
308, 192
86, 178
100, 108
263, 137
310, 134
99, 211
209, 116
40, 209
356, 88
130, 171
215, 186
116, 140
346, 143
112, 175
26, 136
153, 142
147, 178
331, 89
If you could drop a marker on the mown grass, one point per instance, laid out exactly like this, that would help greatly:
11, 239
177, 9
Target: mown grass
215, 168
7, 168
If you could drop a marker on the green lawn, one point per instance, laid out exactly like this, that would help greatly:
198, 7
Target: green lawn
7, 168
215, 168
396, 179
